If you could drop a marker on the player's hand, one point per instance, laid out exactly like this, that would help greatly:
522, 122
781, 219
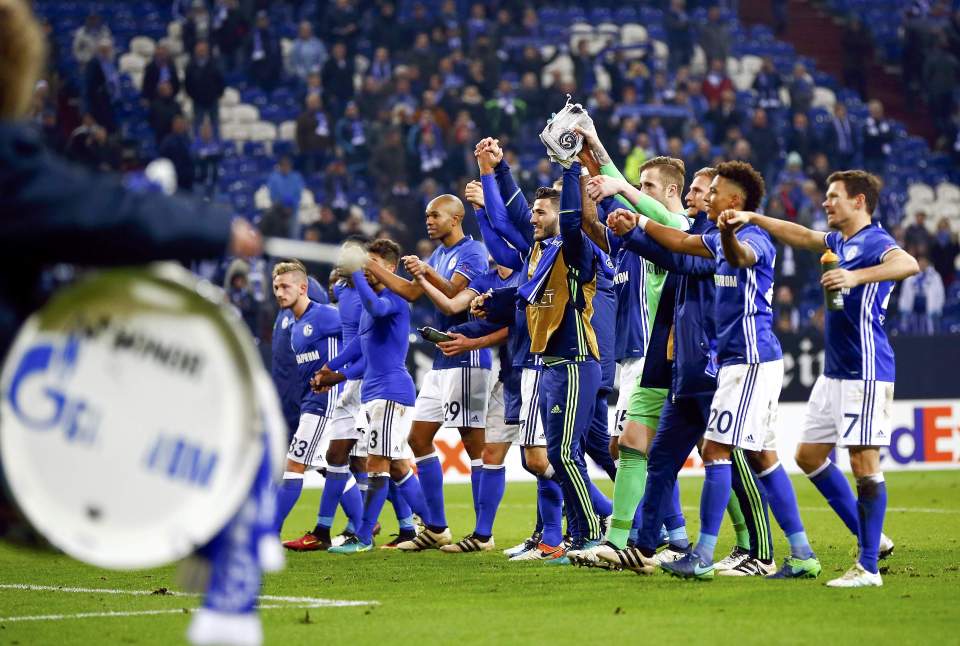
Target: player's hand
589, 133
414, 265
732, 219
622, 221
601, 187
477, 305
457, 345
245, 240
352, 258
839, 279
474, 194
324, 379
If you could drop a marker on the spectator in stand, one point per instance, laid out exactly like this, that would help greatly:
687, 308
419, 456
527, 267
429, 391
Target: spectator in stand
338, 77
102, 83
767, 85
203, 82
197, 26
394, 229
857, 56
640, 153
314, 135
921, 300
240, 294
342, 21
280, 220
877, 137
679, 37
432, 155
422, 56
941, 73
230, 30
506, 111
919, 30
264, 59
917, 235
381, 67
176, 147
386, 29
163, 109
840, 138
336, 188
388, 161
944, 252
784, 303
811, 213
307, 54
801, 138
800, 86
207, 155
87, 39
724, 115
763, 141
716, 82
314, 85
158, 70
286, 186
353, 139
326, 227
715, 36
820, 170
89, 145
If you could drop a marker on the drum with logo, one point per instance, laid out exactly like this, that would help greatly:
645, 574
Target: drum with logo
132, 416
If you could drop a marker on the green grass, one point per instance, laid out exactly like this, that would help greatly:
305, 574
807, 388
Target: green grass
480, 598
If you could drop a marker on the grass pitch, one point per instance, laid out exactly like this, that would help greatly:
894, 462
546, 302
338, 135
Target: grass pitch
481, 598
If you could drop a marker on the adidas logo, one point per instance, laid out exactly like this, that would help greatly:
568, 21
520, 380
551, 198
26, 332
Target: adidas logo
749, 438
555, 409
880, 434
474, 419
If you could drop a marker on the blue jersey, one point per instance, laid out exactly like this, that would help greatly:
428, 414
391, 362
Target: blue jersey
350, 308
383, 339
605, 321
742, 306
492, 280
469, 258
633, 328
315, 339
856, 345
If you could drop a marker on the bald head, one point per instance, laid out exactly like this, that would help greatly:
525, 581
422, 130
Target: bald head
444, 219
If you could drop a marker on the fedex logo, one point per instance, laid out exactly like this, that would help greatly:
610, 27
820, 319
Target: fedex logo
935, 436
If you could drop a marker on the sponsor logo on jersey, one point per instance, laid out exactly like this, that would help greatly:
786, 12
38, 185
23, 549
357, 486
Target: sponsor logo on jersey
621, 278
307, 330
305, 357
724, 281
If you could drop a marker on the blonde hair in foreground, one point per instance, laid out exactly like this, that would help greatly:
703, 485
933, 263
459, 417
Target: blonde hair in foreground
289, 266
22, 56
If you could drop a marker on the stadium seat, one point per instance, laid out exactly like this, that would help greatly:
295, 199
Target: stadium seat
660, 50
263, 131
230, 97
261, 199
921, 193
144, 46
287, 131
132, 64
633, 34
948, 192
245, 113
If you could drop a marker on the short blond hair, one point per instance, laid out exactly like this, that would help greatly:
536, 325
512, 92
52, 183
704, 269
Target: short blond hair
672, 170
288, 266
23, 53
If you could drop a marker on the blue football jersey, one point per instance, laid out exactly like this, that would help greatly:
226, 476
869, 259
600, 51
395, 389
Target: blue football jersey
492, 280
743, 304
856, 344
633, 327
350, 307
469, 258
283, 369
384, 341
315, 339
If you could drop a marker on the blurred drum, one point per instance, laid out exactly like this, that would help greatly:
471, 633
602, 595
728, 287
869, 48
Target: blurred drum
132, 413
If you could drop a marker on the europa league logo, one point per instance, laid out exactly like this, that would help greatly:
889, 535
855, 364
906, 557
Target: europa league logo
568, 140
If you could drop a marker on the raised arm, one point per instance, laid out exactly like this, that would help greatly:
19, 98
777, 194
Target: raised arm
577, 250
424, 272
375, 305
446, 305
410, 290
788, 233
590, 223
518, 209
897, 264
672, 239
462, 343
641, 244
737, 253
502, 251
500, 220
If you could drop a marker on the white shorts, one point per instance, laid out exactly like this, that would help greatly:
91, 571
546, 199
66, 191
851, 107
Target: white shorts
388, 428
497, 430
744, 409
348, 424
454, 397
309, 443
629, 373
848, 412
531, 426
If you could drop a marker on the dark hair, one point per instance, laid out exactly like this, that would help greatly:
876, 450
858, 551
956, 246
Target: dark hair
548, 193
747, 178
859, 182
386, 249
672, 170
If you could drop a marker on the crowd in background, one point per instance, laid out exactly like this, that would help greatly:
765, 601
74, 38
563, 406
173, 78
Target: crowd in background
403, 130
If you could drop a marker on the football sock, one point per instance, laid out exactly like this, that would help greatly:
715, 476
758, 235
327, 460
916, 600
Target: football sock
410, 490
430, 473
377, 487
335, 481
739, 523
551, 510
287, 496
627, 492
713, 504
783, 504
352, 503
674, 521
871, 505
476, 469
493, 480
401, 508
830, 481
752, 497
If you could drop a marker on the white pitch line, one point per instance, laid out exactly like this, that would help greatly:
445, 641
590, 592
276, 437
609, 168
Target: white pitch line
918, 510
